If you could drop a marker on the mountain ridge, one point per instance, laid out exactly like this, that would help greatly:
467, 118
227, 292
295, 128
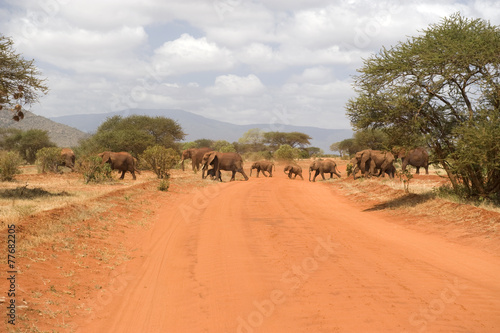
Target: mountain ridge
199, 127
61, 134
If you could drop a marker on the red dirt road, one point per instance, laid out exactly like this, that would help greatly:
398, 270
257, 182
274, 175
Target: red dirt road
279, 255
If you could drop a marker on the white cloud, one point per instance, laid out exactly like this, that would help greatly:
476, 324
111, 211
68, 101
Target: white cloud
227, 85
188, 54
98, 56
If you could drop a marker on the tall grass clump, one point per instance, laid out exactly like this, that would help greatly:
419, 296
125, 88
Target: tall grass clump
9, 165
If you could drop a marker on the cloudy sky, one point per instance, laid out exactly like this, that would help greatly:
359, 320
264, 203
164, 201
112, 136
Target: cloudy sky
244, 62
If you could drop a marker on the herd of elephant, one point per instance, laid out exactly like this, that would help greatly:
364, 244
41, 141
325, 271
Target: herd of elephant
375, 162
213, 162
369, 162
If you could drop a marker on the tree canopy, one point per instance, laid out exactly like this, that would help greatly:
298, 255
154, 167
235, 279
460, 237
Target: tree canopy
134, 134
20, 83
293, 139
439, 85
26, 143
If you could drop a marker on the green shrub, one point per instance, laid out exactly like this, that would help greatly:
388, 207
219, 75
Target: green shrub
160, 160
48, 159
349, 169
286, 153
94, 170
9, 165
163, 185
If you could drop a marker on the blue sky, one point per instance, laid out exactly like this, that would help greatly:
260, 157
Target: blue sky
232, 60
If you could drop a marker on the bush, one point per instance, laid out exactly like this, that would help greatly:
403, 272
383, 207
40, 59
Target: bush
286, 153
9, 165
94, 170
160, 160
48, 159
257, 156
163, 185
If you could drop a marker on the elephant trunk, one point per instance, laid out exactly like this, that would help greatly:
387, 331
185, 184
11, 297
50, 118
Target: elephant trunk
251, 172
310, 174
182, 164
203, 168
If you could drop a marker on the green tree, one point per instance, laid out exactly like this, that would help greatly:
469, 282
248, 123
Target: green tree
371, 138
201, 143
286, 153
293, 139
252, 137
345, 147
27, 143
439, 86
134, 134
19, 79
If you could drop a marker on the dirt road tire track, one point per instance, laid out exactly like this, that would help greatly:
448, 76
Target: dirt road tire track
275, 255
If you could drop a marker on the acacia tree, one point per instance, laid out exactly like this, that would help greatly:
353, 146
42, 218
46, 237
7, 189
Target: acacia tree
293, 139
19, 80
443, 85
134, 134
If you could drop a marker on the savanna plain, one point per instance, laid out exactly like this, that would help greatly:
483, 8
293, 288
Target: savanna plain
263, 255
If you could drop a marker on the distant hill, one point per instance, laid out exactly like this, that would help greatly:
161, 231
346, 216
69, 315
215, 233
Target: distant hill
62, 135
199, 127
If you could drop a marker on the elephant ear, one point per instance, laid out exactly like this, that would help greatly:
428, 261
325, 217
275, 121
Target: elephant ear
212, 159
106, 156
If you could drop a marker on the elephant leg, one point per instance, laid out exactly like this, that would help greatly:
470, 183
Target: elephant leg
299, 175
243, 173
133, 174
323, 175
264, 173
123, 174
258, 172
315, 175
418, 170
426, 169
233, 174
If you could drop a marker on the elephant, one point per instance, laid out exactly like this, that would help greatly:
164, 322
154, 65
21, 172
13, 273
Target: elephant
322, 167
68, 158
417, 157
223, 161
293, 169
369, 160
262, 166
121, 161
390, 171
196, 155
211, 174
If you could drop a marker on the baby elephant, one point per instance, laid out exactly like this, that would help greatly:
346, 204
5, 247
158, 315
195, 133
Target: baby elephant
211, 174
263, 166
293, 169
